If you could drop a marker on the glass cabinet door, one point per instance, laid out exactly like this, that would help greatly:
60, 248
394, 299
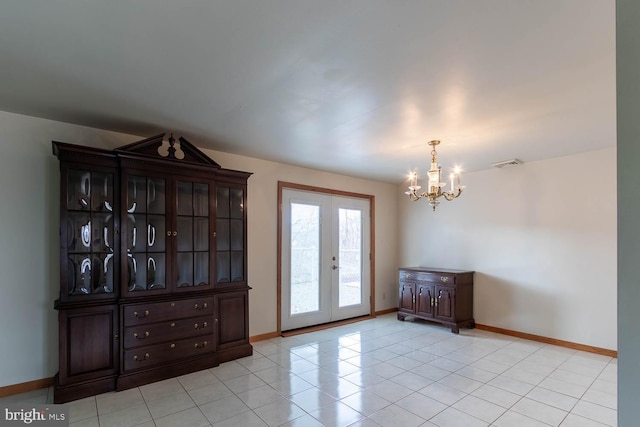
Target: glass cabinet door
230, 251
90, 240
146, 245
193, 236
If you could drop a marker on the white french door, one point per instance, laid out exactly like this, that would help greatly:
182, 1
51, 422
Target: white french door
325, 258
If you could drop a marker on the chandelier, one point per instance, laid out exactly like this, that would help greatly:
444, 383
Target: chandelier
435, 186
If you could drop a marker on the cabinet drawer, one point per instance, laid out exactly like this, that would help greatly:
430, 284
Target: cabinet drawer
408, 276
139, 314
143, 357
434, 277
444, 278
136, 336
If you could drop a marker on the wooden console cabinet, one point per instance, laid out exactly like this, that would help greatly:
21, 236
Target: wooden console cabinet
438, 295
153, 265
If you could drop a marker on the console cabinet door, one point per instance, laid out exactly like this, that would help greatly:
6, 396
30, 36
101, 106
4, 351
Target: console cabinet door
231, 319
407, 298
445, 303
424, 300
88, 343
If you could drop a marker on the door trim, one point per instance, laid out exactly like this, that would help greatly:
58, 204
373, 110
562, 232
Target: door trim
293, 186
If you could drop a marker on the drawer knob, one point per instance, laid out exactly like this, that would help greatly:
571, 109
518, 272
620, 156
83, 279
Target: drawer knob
204, 344
137, 359
204, 325
444, 279
145, 314
173, 324
146, 334
197, 307
173, 346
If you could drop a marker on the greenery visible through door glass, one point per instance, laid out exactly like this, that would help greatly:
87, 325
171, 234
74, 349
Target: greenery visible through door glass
305, 258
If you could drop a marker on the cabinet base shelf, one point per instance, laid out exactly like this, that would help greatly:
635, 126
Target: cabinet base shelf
455, 327
234, 353
75, 391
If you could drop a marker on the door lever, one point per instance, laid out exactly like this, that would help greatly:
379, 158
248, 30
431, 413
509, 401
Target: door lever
334, 267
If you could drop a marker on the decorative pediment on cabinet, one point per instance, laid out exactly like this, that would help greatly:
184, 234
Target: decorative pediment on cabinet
159, 147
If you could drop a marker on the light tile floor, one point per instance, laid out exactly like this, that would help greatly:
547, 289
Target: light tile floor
378, 372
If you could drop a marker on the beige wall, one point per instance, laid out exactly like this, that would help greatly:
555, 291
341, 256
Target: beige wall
542, 240
29, 213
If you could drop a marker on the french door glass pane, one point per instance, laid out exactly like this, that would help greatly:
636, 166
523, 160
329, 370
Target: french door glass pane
350, 249
305, 258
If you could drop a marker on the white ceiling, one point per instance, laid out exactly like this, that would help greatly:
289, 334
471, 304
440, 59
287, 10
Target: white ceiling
355, 87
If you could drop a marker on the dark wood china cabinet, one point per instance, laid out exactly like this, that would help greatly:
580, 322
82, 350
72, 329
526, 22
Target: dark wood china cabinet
153, 265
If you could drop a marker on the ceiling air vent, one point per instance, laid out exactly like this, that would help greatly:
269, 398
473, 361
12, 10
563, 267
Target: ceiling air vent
507, 163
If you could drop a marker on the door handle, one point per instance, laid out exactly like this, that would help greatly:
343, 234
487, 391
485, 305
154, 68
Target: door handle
335, 267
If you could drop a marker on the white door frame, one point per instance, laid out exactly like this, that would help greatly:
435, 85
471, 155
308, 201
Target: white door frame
288, 185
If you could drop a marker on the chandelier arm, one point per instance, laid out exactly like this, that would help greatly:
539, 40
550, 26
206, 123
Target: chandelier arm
413, 196
451, 196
